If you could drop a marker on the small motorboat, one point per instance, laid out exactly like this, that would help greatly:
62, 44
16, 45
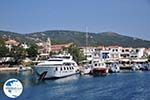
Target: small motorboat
99, 71
86, 69
135, 67
99, 68
144, 67
114, 68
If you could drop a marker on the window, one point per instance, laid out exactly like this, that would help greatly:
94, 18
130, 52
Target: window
67, 64
73, 64
64, 68
56, 69
127, 50
61, 69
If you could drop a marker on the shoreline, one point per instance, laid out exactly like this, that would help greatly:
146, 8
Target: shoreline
15, 69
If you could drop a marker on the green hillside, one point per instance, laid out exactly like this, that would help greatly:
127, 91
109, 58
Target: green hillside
79, 38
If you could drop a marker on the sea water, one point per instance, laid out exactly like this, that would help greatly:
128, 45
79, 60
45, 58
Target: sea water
120, 86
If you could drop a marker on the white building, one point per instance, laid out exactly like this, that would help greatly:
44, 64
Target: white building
113, 52
45, 47
137, 53
89, 52
25, 46
125, 52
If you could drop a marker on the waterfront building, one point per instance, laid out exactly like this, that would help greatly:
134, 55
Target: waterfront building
125, 52
9, 43
137, 53
147, 52
105, 54
59, 47
89, 52
25, 46
114, 52
44, 47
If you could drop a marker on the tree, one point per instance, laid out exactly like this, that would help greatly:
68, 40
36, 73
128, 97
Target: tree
18, 53
76, 53
52, 53
3, 50
21, 52
32, 51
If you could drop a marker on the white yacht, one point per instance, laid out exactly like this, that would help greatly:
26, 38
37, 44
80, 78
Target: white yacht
57, 66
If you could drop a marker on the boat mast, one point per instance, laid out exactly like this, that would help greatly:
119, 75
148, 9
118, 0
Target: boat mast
86, 37
86, 40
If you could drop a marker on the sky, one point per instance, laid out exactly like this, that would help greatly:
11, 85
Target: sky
127, 17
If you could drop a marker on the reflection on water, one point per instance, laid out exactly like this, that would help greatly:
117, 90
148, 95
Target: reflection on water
66, 79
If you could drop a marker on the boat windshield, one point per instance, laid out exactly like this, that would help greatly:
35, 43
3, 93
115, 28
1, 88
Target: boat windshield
65, 57
54, 60
50, 65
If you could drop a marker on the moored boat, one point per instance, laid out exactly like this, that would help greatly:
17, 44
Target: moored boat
141, 64
57, 66
99, 67
114, 68
86, 67
135, 67
145, 67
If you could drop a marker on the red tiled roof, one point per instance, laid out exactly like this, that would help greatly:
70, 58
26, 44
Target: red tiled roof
11, 42
58, 47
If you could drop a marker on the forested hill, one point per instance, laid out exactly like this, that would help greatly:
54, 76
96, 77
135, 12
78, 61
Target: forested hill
79, 38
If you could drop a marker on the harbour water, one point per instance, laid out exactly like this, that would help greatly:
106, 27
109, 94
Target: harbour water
120, 86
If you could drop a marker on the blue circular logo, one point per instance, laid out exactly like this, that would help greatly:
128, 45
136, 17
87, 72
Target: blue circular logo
12, 88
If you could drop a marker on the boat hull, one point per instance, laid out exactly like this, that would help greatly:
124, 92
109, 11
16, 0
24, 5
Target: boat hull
86, 71
52, 74
99, 71
114, 70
